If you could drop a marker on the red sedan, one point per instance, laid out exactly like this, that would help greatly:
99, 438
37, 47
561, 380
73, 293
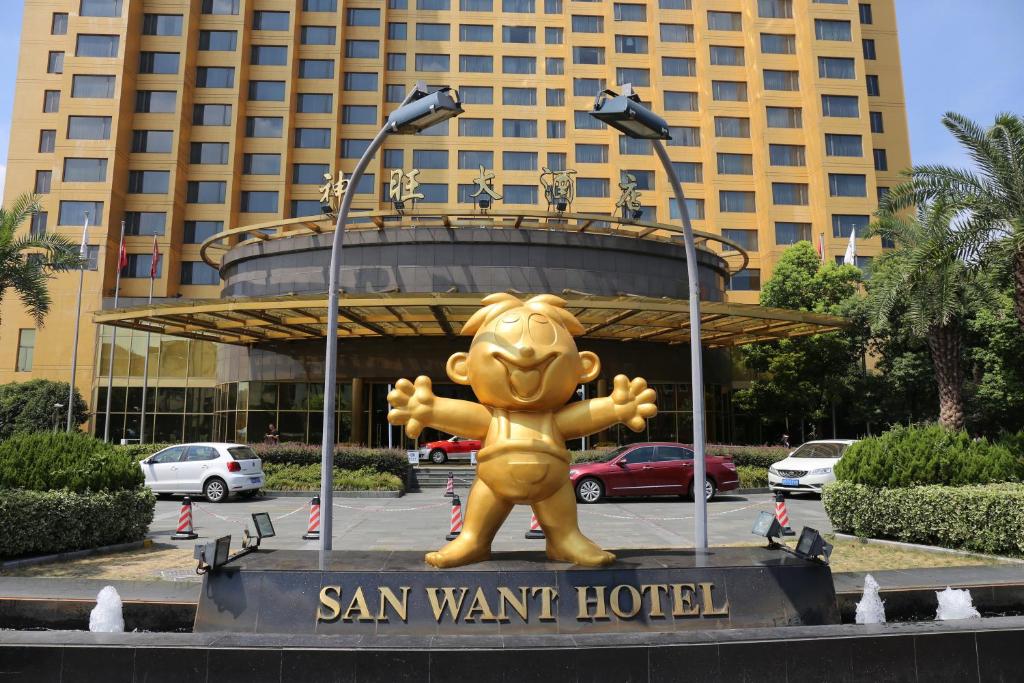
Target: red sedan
650, 469
455, 448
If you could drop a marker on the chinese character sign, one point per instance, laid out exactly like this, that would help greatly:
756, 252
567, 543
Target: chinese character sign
559, 186
629, 199
402, 187
331, 192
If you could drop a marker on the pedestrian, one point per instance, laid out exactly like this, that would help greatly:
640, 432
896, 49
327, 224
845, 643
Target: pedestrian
271, 437
784, 440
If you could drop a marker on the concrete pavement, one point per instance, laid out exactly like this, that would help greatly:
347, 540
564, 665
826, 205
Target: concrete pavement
419, 521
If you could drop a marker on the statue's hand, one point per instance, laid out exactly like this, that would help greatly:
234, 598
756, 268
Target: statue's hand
634, 401
412, 405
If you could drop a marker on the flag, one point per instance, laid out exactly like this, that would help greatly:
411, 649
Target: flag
122, 259
83, 251
154, 264
821, 247
850, 258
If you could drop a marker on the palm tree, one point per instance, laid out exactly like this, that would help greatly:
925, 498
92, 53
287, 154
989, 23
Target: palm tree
992, 195
927, 284
28, 262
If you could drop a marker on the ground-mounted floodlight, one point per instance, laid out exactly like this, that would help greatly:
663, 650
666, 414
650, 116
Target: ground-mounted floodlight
767, 526
212, 555
264, 526
625, 113
812, 545
419, 110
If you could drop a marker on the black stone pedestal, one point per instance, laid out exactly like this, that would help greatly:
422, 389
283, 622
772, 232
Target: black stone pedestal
520, 593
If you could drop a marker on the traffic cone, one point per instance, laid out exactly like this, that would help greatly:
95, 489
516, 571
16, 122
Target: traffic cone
313, 531
456, 519
782, 515
535, 530
449, 489
185, 531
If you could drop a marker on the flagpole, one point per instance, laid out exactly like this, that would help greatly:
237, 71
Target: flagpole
113, 340
83, 252
145, 363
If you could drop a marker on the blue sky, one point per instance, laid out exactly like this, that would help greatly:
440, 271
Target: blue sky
957, 56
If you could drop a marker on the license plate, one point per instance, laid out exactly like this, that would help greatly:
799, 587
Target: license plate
255, 480
790, 482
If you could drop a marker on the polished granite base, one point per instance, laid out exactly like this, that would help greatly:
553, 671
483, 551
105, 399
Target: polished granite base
517, 593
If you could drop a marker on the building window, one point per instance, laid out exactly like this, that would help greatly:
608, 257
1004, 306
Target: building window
218, 41
684, 136
519, 161
471, 159
161, 25
674, 4
778, 44
198, 273
324, 6
729, 91
519, 34
847, 185
37, 226
397, 30
434, 193
843, 145
775, 9
476, 5
552, 6
784, 117
724, 21
215, 153
790, 194
266, 91
591, 154
100, 8
152, 141
521, 97
211, 115
476, 64
47, 141
264, 126
220, 6
353, 149
732, 127
316, 68
206, 191
318, 35
746, 280
145, 223
840, 106
59, 24
869, 48
519, 128
676, 33
633, 45
436, 5
588, 55
360, 81
95, 45
215, 77
881, 160
736, 201
477, 94
634, 146
836, 67
74, 212
680, 101
355, 16
587, 87
155, 101
315, 103
556, 130
268, 55
26, 349
313, 174
877, 123
518, 6
553, 35
306, 207
842, 224
865, 13
158, 62
430, 159
469, 127
359, 114
735, 164
148, 182
258, 201
433, 62
313, 138
679, 66
84, 170
140, 266
55, 62
476, 33
592, 187
689, 171
197, 232
43, 181
98, 87
554, 66
873, 87
51, 101
726, 55
436, 32
264, 20
630, 12
640, 77
362, 49
781, 80
832, 29
746, 238
694, 209
520, 194
791, 233
519, 65
787, 155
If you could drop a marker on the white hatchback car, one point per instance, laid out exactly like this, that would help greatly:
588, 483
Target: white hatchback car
809, 467
214, 469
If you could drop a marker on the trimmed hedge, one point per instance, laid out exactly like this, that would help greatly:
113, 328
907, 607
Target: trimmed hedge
919, 456
345, 457
307, 478
984, 519
74, 461
752, 477
44, 522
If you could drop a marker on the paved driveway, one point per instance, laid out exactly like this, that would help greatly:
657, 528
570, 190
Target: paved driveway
420, 521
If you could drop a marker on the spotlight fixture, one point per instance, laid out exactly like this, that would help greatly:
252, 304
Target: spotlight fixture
484, 203
812, 545
767, 526
213, 554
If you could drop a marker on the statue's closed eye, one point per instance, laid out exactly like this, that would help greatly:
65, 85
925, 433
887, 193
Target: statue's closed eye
541, 330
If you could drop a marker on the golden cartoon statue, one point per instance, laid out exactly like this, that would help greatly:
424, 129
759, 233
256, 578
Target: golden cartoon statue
523, 366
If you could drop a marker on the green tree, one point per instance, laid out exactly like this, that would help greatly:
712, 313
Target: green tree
932, 290
29, 406
28, 262
992, 195
804, 378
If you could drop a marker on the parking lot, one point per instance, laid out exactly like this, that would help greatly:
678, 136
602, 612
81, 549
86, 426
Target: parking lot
421, 520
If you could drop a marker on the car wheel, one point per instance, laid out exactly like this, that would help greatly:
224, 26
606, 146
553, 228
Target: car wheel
590, 490
215, 490
710, 490
438, 456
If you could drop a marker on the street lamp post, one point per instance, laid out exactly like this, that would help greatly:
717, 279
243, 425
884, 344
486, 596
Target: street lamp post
626, 114
419, 110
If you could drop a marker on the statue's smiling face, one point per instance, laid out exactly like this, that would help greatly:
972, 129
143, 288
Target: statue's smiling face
524, 360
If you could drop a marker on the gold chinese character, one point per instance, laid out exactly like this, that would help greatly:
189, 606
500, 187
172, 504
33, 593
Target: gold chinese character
629, 200
560, 188
332, 192
402, 187
485, 183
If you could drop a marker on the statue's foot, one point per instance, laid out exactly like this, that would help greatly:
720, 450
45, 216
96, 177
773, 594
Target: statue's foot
578, 549
457, 553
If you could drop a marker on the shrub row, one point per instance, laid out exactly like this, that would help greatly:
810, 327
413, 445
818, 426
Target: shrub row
752, 476
74, 461
390, 461
923, 455
43, 522
985, 519
307, 478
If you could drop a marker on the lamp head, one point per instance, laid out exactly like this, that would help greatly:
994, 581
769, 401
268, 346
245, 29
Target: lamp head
422, 109
627, 115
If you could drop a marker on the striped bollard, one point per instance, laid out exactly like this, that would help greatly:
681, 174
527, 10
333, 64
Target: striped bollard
449, 488
313, 530
535, 531
456, 528
185, 532
782, 515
